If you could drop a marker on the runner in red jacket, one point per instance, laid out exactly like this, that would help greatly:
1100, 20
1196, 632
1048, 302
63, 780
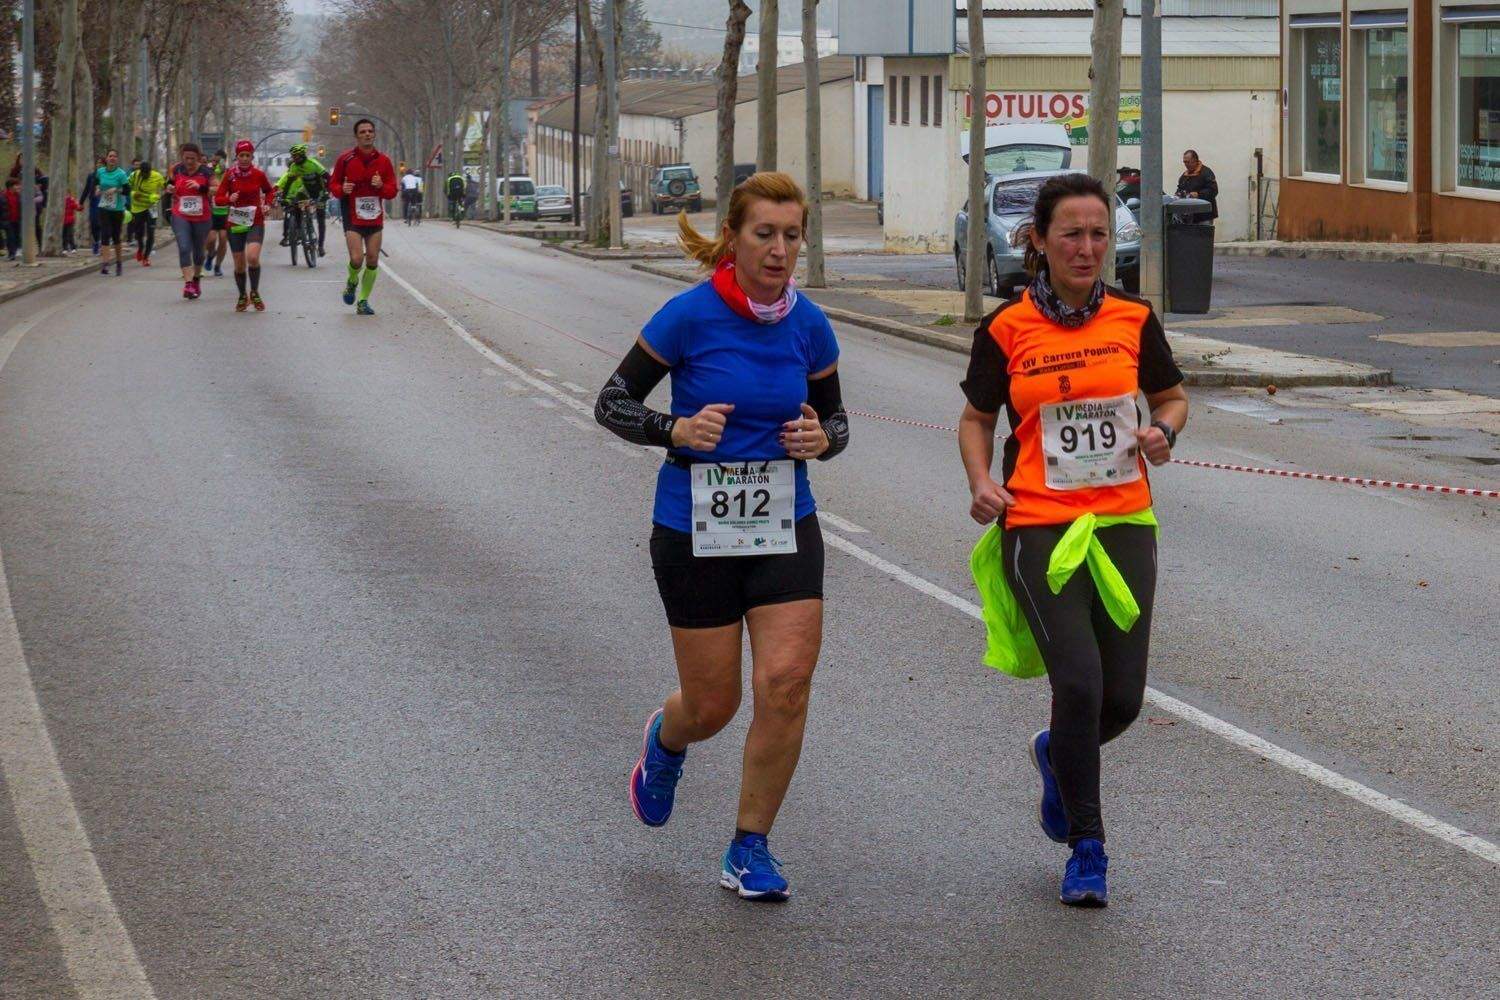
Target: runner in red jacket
248, 192
363, 180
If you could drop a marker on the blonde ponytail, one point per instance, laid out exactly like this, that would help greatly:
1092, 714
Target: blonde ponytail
766, 185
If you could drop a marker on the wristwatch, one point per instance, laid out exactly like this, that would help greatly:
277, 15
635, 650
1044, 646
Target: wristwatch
1166, 429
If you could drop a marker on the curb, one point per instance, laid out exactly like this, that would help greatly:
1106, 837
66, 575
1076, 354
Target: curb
1292, 251
1199, 377
57, 277
596, 253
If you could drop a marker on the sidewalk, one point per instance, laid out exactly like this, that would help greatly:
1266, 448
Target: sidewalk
16, 279
1470, 256
935, 317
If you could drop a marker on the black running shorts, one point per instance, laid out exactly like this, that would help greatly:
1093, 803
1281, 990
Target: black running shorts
237, 241
717, 591
220, 223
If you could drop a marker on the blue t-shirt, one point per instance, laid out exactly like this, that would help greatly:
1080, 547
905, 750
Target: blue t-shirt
718, 356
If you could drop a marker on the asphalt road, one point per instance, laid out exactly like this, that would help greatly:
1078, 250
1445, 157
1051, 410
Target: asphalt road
344, 634
1328, 308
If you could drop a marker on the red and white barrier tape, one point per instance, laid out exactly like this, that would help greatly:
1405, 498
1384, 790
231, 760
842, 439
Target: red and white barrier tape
1462, 491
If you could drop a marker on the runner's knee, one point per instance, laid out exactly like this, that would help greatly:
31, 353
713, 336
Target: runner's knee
709, 712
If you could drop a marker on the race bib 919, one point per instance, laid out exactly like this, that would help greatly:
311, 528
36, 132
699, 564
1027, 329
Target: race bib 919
1089, 443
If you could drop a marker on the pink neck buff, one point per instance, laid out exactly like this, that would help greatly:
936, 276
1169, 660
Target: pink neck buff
735, 298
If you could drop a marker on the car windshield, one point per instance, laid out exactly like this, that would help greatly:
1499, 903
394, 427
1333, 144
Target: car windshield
520, 188
550, 191
683, 173
1018, 197
1024, 157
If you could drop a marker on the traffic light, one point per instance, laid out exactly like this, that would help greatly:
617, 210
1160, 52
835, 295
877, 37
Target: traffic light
333, 116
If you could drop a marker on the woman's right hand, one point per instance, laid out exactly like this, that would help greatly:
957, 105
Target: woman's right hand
990, 501
702, 431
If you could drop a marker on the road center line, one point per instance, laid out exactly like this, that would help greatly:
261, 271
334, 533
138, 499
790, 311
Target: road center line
1227, 731
96, 948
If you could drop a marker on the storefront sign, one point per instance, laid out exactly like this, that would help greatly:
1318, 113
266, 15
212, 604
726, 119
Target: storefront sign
1067, 108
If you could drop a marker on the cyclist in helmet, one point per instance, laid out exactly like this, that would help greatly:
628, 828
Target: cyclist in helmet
456, 187
305, 178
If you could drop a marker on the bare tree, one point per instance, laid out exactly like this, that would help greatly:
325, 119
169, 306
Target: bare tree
814, 234
507, 32
765, 105
62, 134
976, 245
1104, 105
734, 39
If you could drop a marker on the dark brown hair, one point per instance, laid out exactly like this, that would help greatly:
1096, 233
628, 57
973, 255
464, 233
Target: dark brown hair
190, 147
1053, 191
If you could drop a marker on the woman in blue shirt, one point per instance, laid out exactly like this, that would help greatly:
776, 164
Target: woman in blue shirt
735, 543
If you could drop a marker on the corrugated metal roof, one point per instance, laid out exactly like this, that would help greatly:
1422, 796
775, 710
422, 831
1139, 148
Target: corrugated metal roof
1181, 36
683, 98
1030, 6
1174, 8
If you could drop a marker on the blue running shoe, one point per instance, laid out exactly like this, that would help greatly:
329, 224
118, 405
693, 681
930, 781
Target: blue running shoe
1050, 811
362, 308
653, 783
753, 871
1083, 880
349, 289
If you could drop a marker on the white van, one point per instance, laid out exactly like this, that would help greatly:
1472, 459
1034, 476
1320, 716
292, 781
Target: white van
1022, 147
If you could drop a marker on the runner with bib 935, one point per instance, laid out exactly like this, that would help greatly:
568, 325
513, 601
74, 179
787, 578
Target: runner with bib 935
363, 180
1067, 358
735, 542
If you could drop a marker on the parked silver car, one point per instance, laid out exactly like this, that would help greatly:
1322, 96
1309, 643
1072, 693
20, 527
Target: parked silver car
552, 202
1009, 199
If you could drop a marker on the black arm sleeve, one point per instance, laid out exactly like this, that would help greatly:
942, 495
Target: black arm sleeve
622, 402
1157, 369
987, 384
823, 395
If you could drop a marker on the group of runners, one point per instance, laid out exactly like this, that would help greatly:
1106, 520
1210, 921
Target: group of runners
218, 209
736, 545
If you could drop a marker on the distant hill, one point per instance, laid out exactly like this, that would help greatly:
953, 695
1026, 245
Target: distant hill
711, 14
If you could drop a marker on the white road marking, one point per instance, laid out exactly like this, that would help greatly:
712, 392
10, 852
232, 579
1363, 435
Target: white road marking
587, 428
544, 402
835, 521
571, 387
96, 948
1378, 801
545, 373
624, 448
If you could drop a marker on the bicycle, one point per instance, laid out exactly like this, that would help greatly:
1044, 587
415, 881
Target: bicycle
302, 232
456, 212
411, 208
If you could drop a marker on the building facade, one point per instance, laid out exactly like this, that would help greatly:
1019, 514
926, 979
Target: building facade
676, 121
1221, 97
1392, 124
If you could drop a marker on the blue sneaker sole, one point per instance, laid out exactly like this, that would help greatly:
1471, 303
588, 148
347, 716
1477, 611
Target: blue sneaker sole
348, 298
637, 772
1041, 817
1085, 899
727, 880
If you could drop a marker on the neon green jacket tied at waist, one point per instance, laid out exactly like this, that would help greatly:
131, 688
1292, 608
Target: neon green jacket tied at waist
1011, 646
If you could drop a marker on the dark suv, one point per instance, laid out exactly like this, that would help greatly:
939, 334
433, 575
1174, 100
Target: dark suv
674, 185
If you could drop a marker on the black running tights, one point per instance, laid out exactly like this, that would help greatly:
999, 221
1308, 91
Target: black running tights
1097, 672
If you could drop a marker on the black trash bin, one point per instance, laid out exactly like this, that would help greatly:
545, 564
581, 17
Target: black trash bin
1189, 232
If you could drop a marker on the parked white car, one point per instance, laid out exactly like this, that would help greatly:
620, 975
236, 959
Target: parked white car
553, 202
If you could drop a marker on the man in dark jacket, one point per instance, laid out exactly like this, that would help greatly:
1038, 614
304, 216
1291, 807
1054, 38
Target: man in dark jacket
1197, 181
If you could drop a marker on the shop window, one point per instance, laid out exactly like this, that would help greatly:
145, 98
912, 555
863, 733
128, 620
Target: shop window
1478, 105
922, 91
1317, 95
1385, 104
891, 99
937, 101
906, 100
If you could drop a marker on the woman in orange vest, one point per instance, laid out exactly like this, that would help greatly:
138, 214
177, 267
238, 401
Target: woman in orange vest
1066, 359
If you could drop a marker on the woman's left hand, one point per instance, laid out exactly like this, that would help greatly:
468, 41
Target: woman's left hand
1154, 445
804, 438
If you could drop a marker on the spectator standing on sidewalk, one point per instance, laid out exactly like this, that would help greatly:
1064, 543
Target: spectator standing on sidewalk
70, 219
10, 216
1198, 181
